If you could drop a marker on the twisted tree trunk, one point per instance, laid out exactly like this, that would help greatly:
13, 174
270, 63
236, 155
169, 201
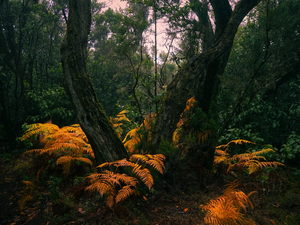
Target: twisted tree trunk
104, 141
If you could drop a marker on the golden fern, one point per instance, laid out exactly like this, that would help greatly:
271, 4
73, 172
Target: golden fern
251, 161
107, 181
39, 128
68, 143
156, 161
238, 142
66, 161
135, 135
116, 122
226, 209
183, 119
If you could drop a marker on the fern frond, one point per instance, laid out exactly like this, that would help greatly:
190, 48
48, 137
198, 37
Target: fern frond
124, 193
102, 182
155, 164
101, 187
85, 160
226, 209
145, 175
156, 161
255, 165
69, 129
39, 128
23, 201
29, 186
110, 201
131, 134
241, 141
238, 141
264, 151
138, 157
118, 163
222, 212
65, 161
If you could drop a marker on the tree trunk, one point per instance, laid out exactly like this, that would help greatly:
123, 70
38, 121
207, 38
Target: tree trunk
104, 141
200, 76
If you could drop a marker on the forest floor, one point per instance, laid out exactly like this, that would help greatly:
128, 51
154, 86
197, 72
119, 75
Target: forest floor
277, 201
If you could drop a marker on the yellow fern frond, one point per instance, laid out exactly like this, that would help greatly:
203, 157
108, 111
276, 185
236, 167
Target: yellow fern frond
238, 141
264, 151
69, 129
39, 128
124, 193
252, 161
131, 134
241, 141
85, 160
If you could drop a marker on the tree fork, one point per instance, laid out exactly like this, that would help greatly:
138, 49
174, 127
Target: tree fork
199, 76
104, 141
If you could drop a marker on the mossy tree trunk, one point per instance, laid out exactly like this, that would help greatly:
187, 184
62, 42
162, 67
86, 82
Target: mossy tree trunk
104, 141
200, 76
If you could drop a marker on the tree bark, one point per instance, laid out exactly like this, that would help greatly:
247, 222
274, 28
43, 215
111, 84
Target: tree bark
104, 141
200, 76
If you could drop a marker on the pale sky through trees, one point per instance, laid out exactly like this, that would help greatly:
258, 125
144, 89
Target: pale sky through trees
161, 26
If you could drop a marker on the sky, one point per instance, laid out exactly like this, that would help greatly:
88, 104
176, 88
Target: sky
161, 25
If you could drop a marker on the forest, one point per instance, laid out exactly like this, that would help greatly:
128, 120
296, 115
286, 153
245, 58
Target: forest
104, 121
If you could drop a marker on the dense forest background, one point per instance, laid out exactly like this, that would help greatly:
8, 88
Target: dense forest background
252, 94
258, 93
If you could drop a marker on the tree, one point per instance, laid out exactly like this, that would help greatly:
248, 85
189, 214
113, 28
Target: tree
199, 77
104, 141
29, 51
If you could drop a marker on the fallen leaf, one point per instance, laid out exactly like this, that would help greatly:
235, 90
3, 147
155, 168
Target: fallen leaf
144, 197
81, 211
186, 209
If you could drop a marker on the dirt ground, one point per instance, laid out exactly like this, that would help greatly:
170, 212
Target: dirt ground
159, 208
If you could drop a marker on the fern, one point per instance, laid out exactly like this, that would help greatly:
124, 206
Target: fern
67, 160
183, 119
156, 161
251, 161
226, 209
107, 182
66, 144
134, 137
116, 122
39, 129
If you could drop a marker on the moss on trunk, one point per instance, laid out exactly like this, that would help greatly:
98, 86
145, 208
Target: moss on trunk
105, 143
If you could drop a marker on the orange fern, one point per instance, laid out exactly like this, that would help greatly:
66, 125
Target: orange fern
134, 136
107, 182
116, 122
66, 161
67, 144
226, 209
183, 119
251, 161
